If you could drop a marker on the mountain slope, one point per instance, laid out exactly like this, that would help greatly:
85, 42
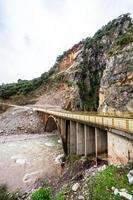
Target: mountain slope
95, 74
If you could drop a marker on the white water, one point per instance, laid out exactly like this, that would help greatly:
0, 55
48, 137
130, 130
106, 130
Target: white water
25, 159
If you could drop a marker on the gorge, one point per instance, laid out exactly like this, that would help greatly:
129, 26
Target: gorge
95, 75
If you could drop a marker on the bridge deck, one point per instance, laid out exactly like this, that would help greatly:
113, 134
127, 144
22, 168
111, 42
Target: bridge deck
124, 123
115, 122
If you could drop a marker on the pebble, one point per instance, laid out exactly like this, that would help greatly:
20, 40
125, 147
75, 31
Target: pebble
116, 191
131, 172
123, 190
130, 177
123, 193
1, 131
126, 195
75, 187
21, 161
113, 188
80, 197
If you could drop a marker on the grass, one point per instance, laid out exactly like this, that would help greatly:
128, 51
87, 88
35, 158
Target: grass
101, 184
42, 194
62, 194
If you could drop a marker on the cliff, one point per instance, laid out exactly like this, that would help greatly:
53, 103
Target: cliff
95, 74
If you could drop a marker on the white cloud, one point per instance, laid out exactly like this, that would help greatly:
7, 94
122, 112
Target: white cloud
34, 32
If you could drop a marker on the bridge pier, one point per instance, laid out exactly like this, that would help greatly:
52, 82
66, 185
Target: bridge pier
89, 140
63, 132
73, 140
110, 135
101, 141
80, 139
120, 148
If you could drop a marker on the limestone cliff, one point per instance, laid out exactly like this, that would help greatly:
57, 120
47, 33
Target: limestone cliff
97, 73
116, 88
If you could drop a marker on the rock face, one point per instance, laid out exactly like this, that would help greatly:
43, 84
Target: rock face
62, 90
116, 88
97, 73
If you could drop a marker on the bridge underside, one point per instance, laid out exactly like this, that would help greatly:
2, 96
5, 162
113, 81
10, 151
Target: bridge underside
84, 139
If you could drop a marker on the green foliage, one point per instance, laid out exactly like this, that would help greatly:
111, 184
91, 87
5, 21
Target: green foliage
91, 70
101, 184
122, 41
5, 195
24, 87
62, 194
112, 25
42, 194
89, 92
126, 38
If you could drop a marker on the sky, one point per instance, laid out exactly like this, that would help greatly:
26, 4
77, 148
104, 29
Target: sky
34, 32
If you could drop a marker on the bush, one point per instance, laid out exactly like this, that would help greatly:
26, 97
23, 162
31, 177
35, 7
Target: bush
42, 194
125, 40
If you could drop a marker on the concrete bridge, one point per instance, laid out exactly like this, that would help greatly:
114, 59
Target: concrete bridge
104, 137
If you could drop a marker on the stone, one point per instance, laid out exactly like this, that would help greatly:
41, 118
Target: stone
131, 172
75, 187
102, 168
123, 190
116, 191
126, 195
1, 131
59, 159
113, 188
80, 197
130, 178
21, 161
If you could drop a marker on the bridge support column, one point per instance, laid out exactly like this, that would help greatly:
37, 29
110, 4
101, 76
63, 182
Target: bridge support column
89, 140
101, 141
72, 141
63, 134
80, 139
120, 149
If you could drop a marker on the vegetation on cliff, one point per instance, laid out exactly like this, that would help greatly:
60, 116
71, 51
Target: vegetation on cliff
94, 60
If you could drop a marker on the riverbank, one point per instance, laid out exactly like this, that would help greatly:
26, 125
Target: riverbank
16, 121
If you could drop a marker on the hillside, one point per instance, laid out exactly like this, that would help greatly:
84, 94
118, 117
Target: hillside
95, 74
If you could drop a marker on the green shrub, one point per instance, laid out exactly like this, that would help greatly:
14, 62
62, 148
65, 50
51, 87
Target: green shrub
125, 40
42, 194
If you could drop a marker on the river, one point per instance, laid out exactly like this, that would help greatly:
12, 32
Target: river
25, 159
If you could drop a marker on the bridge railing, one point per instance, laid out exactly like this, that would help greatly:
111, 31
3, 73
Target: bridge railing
115, 122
